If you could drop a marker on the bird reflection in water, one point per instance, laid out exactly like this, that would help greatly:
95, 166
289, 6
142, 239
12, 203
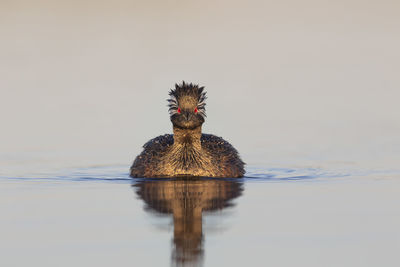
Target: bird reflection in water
186, 199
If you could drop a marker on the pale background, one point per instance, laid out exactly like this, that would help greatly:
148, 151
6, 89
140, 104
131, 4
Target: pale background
312, 83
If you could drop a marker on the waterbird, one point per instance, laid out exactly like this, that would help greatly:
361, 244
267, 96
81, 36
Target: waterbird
187, 152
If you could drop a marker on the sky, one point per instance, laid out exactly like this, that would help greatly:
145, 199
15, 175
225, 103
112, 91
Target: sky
86, 82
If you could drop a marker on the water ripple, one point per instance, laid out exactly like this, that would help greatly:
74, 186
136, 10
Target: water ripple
119, 174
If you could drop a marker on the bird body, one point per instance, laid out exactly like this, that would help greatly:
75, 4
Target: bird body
187, 152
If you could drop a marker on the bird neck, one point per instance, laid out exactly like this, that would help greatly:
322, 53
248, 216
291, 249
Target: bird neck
187, 137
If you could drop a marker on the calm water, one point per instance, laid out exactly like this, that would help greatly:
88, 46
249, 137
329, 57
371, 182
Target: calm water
98, 216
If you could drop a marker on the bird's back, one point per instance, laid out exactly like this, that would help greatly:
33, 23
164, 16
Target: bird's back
223, 155
153, 153
224, 158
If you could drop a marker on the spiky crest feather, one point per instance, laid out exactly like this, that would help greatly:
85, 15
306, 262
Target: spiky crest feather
187, 89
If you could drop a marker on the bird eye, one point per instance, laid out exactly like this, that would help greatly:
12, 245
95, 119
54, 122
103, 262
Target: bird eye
195, 110
179, 110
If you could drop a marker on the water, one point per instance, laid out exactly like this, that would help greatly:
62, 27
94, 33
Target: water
274, 216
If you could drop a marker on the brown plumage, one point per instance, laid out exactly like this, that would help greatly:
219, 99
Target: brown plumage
187, 152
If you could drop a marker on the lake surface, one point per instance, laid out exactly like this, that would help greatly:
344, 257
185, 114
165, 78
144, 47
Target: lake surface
98, 216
